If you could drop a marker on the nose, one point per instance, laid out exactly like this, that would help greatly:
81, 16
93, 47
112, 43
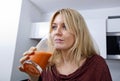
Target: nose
58, 31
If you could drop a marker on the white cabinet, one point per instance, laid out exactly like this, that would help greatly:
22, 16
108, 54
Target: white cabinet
113, 25
97, 28
39, 30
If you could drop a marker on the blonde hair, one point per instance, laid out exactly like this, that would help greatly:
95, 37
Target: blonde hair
83, 46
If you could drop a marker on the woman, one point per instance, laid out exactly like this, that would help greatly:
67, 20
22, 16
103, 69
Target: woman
74, 55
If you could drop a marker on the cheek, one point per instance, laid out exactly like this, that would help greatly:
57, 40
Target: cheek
51, 35
70, 40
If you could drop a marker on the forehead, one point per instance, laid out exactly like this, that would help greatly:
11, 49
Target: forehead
58, 18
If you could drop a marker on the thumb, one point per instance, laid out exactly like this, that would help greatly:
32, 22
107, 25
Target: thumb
21, 68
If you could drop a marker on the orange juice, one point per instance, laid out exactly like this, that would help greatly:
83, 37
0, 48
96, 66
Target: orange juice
41, 58
37, 61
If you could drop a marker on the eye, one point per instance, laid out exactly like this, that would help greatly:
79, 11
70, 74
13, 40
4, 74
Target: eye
54, 27
64, 27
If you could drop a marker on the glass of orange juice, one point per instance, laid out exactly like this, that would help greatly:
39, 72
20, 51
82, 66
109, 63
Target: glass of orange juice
37, 62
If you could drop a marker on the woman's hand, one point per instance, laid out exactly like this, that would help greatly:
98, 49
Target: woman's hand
26, 56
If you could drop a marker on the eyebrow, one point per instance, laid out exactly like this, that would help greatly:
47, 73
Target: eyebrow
53, 23
56, 23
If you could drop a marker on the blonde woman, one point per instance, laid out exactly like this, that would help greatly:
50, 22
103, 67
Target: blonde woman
74, 56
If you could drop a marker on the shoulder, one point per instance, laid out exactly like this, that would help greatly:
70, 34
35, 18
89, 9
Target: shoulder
96, 64
97, 60
98, 57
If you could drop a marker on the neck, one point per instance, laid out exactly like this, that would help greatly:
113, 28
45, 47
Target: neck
71, 67
65, 56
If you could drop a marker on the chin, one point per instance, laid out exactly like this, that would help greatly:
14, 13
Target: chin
58, 48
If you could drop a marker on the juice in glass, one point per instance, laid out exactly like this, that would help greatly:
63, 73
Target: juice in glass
37, 62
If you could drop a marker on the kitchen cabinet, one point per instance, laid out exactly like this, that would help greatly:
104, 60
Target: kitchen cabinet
39, 30
113, 24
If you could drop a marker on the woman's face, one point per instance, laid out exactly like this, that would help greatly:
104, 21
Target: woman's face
62, 39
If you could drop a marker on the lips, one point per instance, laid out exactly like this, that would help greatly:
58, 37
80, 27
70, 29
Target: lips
58, 40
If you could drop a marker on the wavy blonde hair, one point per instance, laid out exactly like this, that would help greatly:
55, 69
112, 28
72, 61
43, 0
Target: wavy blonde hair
83, 46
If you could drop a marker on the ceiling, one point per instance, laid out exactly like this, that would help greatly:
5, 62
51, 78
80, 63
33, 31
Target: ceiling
47, 6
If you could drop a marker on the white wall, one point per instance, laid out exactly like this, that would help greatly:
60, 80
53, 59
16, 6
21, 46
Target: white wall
9, 20
29, 14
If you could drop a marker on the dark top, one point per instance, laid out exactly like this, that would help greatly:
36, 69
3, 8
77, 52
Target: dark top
94, 69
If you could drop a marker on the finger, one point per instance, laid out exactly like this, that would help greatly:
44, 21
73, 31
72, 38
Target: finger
33, 49
21, 68
24, 59
33, 71
30, 51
